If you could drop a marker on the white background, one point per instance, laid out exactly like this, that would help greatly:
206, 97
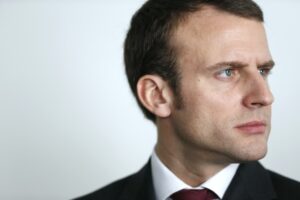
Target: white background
68, 122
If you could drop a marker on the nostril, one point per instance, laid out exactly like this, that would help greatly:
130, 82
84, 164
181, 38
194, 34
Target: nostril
257, 104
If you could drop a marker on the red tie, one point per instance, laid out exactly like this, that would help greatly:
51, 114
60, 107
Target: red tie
204, 194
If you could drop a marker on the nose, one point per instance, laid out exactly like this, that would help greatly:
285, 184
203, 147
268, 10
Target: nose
258, 93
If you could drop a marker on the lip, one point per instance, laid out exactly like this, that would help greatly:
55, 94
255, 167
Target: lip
252, 127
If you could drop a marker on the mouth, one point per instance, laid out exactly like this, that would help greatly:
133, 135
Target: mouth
252, 127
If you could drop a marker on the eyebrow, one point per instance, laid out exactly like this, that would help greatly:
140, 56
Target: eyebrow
237, 64
270, 64
221, 65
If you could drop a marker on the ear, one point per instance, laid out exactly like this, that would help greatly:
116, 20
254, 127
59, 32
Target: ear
155, 95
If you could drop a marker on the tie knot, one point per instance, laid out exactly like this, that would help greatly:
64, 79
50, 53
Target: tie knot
193, 194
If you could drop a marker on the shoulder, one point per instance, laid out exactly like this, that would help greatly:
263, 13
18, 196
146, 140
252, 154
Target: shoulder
109, 192
284, 187
135, 186
253, 181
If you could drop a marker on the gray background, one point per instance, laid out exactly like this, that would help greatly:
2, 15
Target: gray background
68, 122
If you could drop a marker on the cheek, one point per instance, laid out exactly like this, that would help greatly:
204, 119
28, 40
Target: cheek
208, 108
214, 105
211, 113
217, 115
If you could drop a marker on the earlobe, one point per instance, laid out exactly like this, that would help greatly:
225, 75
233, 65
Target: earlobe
153, 92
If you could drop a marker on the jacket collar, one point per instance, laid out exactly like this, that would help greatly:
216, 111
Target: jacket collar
139, 186
251, 182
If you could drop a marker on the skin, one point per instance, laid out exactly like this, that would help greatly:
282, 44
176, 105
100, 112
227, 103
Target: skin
224, 61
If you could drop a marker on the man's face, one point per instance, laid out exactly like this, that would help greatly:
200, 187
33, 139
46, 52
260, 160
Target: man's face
224, 62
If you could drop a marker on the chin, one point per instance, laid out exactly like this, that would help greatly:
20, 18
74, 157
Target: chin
250, 153
253, 150
254, 154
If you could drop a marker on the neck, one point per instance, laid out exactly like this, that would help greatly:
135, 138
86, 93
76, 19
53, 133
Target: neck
192, 165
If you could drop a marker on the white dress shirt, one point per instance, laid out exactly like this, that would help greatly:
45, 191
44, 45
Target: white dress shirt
166, 182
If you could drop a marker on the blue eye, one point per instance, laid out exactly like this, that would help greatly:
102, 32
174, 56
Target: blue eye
228, 72
225, 73
264, 71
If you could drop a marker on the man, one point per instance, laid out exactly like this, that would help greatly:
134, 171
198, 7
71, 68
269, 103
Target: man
199, 70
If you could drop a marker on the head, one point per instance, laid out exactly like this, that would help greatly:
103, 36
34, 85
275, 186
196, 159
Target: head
148, 46
199, 69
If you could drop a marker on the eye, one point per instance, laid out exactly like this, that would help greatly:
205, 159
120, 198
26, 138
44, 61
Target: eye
225, 73
264, 71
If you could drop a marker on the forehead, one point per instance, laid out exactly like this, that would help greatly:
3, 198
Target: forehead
210, 35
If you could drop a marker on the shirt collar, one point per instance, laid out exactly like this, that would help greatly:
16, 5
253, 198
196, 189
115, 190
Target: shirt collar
166, 182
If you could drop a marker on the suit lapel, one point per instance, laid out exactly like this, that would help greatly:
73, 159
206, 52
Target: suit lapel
139, 186
251, 182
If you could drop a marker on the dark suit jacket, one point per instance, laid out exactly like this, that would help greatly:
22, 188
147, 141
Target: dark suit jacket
251, 182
